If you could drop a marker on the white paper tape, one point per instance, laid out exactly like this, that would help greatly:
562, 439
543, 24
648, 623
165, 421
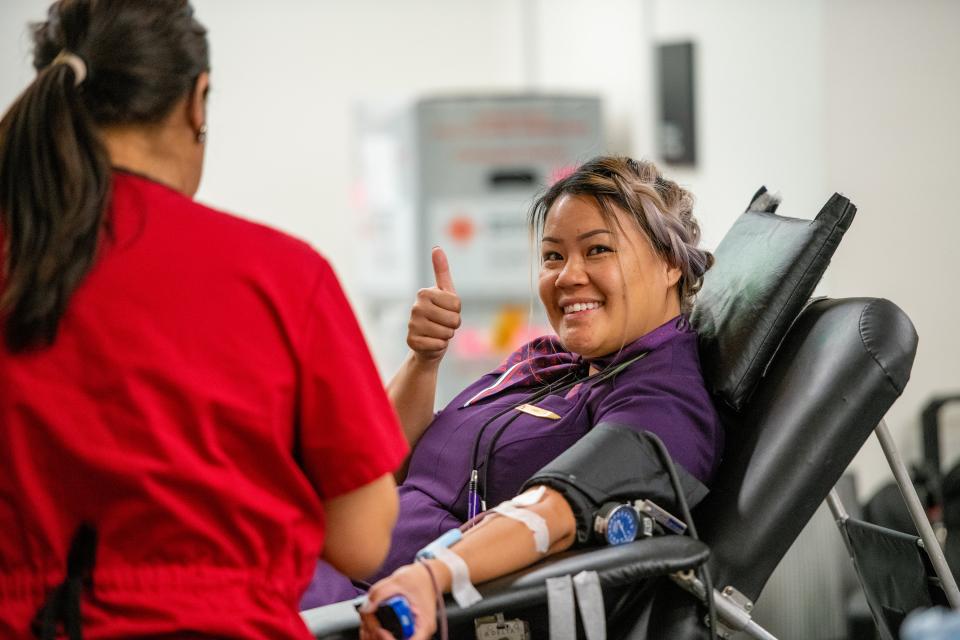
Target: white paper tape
530, 497
462, 589
533, 521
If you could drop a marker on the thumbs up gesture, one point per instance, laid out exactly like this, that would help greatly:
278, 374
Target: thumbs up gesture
436, 313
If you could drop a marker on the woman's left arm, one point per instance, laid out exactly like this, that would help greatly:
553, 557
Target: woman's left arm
497, 547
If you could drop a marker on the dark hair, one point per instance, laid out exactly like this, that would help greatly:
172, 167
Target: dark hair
662, 209
141, 56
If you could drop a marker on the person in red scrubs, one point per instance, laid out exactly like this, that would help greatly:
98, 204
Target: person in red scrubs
189, 415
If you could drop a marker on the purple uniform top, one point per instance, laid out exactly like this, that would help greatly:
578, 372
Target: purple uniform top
663, 393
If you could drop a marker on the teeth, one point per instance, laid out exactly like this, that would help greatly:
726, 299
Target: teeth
581, 306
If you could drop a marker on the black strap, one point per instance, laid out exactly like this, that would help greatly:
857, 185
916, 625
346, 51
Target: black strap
62, 605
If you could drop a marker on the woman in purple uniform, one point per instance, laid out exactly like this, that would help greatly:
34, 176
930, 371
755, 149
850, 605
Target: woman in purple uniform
619, 270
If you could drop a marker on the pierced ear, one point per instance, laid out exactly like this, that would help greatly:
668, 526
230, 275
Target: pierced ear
197, 103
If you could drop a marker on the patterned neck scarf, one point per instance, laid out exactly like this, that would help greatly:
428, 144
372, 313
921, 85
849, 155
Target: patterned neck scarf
544, 360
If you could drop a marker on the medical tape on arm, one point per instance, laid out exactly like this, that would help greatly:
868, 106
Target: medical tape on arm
515, 510
460, 586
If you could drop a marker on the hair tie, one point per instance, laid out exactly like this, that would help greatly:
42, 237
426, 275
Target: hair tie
73, 61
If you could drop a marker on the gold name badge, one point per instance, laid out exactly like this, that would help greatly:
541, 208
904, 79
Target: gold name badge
538, 412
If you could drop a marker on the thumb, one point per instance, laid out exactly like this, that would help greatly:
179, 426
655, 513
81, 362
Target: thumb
441, 270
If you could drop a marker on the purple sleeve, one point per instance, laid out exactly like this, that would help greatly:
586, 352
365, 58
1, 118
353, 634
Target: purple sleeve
675, 408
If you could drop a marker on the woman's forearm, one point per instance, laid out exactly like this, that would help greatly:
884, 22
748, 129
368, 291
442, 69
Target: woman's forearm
434, 319
413, 392
496, 547
502, 545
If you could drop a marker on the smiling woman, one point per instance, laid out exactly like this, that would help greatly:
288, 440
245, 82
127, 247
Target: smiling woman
619, 264
602, 288
618, 254
620, 267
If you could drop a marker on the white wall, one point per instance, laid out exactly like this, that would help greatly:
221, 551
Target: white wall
859, 97
285, 77
759, 94
15, 47
892, 85
597, 48
285, 82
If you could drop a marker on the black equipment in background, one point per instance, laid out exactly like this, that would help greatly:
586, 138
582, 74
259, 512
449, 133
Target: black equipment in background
938, 491
930, 424
676, 126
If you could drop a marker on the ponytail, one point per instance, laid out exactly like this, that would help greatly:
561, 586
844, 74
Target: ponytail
54, 181
99, 63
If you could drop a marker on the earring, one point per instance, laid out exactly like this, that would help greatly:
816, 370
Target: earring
202, 134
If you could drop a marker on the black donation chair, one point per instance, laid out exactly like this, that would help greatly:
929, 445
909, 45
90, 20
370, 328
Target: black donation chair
800, 386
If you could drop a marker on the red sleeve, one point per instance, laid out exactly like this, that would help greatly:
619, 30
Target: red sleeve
349, 434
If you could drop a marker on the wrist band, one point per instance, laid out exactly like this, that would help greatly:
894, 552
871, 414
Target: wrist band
462, 589
441, 604
445, 540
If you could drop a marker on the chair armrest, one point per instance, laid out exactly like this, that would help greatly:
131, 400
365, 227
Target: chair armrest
330, 621
615, 566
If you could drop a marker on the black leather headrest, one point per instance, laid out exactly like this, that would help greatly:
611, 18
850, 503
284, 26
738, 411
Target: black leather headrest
766, 269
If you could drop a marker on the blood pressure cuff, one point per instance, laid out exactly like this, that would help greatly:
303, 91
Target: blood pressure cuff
614, 463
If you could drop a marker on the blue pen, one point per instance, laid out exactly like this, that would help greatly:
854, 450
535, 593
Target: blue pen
473, 496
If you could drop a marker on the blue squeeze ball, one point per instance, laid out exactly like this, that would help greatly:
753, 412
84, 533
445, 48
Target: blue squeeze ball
395, 616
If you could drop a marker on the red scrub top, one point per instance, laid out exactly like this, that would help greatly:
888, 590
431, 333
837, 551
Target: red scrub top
208, 389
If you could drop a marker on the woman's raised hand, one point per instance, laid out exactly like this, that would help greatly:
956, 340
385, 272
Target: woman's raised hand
435, 316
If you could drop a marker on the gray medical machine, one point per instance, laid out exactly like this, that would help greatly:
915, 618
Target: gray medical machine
461, 172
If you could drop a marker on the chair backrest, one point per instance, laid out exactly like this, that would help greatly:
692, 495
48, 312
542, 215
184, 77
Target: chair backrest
839, 369
767, 267
798, 392
836, 373
799, 389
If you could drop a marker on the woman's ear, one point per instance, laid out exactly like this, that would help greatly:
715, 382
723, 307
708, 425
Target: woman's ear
673, 275
197, 103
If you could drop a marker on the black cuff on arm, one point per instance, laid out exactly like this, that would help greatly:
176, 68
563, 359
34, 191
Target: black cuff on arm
613, 463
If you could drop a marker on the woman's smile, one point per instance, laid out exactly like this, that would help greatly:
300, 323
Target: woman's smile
580, 308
